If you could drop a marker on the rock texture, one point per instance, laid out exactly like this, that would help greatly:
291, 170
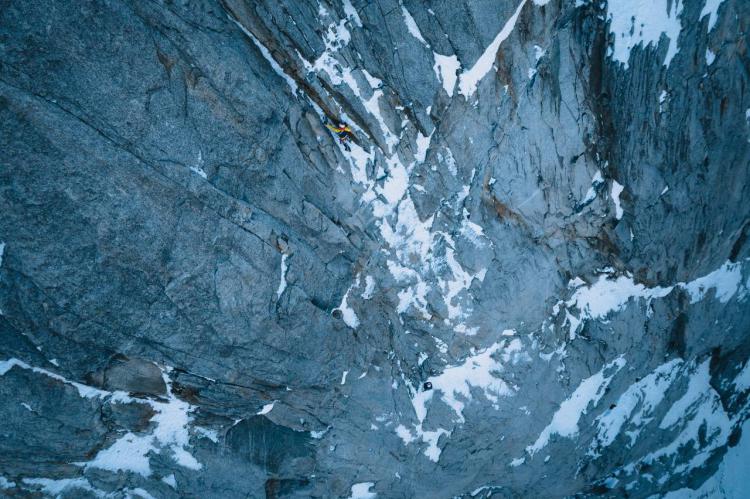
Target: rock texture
543, 217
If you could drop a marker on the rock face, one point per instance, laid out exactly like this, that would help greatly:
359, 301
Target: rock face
528, 278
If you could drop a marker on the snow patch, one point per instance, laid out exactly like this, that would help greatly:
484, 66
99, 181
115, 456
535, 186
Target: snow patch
446, 69
266, 409
711, 9
362, 491
282, 283
642, 22
411, 25
615, 194
471, 78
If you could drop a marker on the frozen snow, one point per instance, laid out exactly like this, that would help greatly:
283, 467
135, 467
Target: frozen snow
742, 381
128, 453
446, 69
343, 377
608, 295
2, 252
6, 484
642, 22
199, 171
730, 479
362, 491
565, 420
471, 78
616, 191
170, 480
83, 390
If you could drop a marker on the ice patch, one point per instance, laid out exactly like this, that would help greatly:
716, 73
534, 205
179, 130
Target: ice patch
726, 281
130, 452
343, 377
642, 22
477, 371
471, 78
351, 13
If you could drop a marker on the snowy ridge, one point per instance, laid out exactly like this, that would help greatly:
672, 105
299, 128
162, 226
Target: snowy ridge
565, 420
698, 416
635, 406
610, 293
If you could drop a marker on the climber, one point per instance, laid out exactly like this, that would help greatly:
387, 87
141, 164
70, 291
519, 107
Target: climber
344, 133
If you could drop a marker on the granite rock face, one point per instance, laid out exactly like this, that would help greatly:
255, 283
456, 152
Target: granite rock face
529, 277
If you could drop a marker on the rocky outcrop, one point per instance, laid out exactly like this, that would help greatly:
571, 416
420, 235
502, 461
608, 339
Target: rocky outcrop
527, 278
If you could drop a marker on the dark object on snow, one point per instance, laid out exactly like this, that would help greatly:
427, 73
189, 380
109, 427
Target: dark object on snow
427, 386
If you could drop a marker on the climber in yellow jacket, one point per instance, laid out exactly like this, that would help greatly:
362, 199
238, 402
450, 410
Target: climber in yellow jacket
344, 133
